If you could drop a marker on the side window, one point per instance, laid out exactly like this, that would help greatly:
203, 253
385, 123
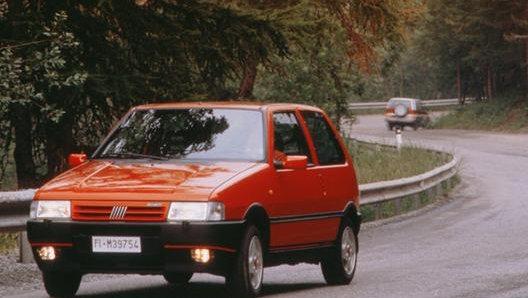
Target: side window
326, 145
288, 136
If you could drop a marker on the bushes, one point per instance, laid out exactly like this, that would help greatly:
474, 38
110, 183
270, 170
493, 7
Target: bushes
505, 114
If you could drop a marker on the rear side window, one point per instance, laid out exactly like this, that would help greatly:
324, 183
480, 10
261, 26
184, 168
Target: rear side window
326, 145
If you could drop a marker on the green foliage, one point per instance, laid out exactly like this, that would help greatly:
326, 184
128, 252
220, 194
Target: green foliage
478, 37
8, 242
33, 70
67, 80
333, 45
314, 75
505, 114
483, 40
70, 67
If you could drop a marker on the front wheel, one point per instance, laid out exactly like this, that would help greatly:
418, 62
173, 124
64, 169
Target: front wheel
339, 267
61, 284
245, 279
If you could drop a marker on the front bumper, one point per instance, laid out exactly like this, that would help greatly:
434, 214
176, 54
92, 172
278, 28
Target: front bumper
165, 247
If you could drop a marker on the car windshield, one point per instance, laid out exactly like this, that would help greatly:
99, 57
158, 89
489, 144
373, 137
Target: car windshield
218, 134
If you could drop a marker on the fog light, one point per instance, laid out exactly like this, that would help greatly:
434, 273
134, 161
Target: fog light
47, 253
201, 255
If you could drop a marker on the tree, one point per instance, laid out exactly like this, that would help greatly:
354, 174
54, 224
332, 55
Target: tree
126, 54
31, 73
473, 38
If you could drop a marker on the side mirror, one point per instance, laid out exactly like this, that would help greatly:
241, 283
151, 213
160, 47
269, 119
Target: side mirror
295, 162
76, 159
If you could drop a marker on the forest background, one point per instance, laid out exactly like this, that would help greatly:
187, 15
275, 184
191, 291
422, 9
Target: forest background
69, 69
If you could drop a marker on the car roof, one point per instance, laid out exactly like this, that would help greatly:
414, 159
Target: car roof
404, 98
254, 105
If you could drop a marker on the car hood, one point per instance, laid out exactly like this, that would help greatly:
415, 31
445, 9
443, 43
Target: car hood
190, 181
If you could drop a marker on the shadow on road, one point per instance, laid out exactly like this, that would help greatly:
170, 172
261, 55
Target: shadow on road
200, 289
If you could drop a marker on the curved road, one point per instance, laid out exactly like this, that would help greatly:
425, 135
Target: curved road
473, 245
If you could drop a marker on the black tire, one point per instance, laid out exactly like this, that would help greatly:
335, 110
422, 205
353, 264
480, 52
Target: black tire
245, 278
178, 278
340, 265
61, 284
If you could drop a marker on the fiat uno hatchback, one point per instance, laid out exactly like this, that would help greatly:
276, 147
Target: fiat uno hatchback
220, 188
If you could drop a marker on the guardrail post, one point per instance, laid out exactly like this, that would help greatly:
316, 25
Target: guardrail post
439, 190
416, 204
448, 184
397, 205
399, 140
377, 211
26, 255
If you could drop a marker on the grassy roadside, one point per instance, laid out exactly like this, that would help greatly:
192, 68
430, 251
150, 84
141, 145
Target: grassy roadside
8, 242
501, 115
376, 163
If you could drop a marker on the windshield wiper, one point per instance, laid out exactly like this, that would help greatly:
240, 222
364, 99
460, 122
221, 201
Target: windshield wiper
132, 155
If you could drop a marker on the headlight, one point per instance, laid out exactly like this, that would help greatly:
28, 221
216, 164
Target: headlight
50, 209
189, 211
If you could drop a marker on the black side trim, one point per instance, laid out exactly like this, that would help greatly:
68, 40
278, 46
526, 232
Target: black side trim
310, 255
308, 217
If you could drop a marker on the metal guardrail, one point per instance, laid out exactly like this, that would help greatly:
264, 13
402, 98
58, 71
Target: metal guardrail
14, 210
382, 105
430, 183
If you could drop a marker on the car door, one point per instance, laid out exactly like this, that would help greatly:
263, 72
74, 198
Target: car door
294, 218
333, 166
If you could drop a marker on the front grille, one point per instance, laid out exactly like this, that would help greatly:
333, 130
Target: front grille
122, 211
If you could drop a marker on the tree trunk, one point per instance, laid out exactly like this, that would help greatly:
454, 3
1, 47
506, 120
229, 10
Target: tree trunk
402, 80
338, 100
526, 65
459, 85
25, 166
245, 90
59, 144
526, 60
489, 84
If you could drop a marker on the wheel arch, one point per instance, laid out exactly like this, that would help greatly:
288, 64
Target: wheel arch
256, 215
352, 213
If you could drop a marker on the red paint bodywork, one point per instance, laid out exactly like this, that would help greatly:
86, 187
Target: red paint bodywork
298, 199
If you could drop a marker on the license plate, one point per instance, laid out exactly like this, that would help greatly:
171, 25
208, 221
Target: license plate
116, 244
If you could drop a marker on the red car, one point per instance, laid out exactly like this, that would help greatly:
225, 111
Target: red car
220, 188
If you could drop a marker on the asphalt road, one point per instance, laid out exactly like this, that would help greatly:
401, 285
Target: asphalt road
473, 245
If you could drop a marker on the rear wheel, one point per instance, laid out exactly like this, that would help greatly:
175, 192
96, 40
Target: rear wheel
339, 267
177, 278
245, 279
61, 284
